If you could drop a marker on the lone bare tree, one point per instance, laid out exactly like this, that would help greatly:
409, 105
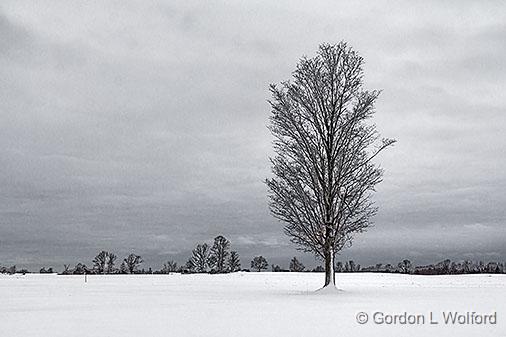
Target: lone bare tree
323, 171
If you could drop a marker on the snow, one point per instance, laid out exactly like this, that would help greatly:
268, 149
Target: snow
243, 304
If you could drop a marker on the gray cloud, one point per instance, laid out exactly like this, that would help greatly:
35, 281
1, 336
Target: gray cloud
142, 126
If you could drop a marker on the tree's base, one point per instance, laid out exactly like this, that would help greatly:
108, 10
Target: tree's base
329, 289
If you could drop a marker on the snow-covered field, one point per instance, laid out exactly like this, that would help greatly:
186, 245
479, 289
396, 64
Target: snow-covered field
246, 304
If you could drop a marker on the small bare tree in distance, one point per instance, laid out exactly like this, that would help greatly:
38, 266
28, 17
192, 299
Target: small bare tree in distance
234, 263
199, 261
100, 262
296, 265
405, 266
259, 263
169, 267
219, 253
132, 262
323, 171
111, 260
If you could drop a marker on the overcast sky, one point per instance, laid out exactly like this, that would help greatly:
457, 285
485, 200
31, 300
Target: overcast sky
141, 125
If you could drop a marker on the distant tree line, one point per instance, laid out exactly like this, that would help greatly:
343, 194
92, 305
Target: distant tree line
107, 263
11, 270
445, 267
218, 258
405, 266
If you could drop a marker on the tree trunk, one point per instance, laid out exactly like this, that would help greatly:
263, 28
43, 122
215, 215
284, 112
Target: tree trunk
330, 278
329, 258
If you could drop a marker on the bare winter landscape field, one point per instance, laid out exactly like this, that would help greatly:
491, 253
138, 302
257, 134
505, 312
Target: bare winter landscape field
265, 168
247, 304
